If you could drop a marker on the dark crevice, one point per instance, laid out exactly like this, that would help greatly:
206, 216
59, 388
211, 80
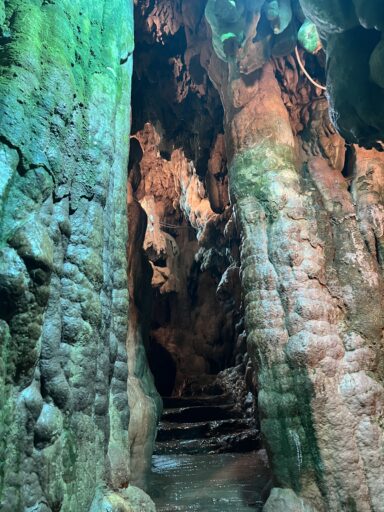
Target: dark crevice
163, 368
20, 167
165, 90
350, 161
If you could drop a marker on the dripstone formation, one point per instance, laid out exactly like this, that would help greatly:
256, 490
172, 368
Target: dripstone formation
352, 32
312, 283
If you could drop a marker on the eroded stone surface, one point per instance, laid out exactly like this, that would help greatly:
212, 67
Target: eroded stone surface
310, 219
64, 136
286, 499
310, 258
131, 499
144, 401
305, 269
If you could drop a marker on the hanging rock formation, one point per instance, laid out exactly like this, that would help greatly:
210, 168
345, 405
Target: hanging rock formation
181, 183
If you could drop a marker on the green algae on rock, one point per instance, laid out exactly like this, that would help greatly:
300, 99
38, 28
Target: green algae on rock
64, 137
308, 37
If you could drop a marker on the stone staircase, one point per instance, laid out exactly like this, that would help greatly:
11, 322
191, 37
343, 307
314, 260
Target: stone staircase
204, 424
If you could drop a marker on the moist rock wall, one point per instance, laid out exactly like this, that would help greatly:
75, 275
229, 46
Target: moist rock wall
312, 283
64, 137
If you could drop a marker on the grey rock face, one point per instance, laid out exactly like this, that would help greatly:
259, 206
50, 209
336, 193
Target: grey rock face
286, 499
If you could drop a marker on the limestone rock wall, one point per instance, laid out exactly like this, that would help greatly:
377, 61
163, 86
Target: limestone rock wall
310, 217
64, 136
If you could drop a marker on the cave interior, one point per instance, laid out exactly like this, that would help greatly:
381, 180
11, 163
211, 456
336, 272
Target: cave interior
191, 255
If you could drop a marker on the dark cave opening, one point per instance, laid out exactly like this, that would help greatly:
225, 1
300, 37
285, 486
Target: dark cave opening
181, 317
175, 94
350, 162
177, 128
163, 368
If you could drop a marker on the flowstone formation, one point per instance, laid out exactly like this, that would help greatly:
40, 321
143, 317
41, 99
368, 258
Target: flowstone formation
311, 269
352, 31
250, 31
64, 137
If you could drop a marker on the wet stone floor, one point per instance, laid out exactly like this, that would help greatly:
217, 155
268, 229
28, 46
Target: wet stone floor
209, 483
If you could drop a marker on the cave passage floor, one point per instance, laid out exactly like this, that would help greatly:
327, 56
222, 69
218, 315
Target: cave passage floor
210, 482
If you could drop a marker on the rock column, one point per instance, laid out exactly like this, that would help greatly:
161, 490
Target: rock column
313, 295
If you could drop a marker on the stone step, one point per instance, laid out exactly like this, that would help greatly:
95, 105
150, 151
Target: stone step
171, 402
168, 431
244, 441
200, 413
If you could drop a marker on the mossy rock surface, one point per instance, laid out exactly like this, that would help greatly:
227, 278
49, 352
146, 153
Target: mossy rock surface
65, 79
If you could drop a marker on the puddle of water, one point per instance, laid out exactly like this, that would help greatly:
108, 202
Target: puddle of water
209, 483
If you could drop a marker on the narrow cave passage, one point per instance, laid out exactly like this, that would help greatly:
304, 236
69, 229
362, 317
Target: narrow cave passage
185, 284
163, 368
249, 205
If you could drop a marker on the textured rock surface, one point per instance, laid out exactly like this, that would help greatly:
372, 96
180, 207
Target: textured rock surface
353, 34
310, 216
187, 251
64, 137
312, 288
181, 182
286, 499
310, 219
131, 499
